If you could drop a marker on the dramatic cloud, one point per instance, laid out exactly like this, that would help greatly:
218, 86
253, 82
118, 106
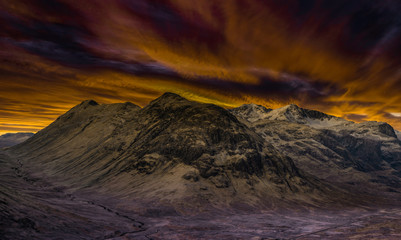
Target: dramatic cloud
341, 57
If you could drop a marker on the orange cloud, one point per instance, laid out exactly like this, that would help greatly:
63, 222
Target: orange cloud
326, 56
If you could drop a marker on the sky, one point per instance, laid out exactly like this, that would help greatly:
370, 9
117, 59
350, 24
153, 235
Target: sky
340, 57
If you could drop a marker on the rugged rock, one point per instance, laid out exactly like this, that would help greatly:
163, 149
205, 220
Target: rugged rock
120, 171
170, 147
295, 114
251, 112
334, 149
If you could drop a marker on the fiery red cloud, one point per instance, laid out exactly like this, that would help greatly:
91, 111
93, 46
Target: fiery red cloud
340, 57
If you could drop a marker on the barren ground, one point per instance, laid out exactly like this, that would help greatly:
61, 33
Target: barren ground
32, 208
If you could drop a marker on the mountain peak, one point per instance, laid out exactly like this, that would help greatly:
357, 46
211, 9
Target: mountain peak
170, 96
290, 113
89, 103
168, 99
251, 112
84, 105
291, 106
253, 106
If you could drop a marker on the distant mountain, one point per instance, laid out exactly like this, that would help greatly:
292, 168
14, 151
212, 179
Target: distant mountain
11, 139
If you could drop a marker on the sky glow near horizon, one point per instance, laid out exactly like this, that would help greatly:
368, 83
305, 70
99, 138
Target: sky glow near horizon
339, 57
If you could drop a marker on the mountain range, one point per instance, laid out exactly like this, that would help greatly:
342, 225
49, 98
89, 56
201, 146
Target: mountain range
176, 148
183, 157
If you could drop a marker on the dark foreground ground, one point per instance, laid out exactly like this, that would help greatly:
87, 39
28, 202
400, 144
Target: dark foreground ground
32, 208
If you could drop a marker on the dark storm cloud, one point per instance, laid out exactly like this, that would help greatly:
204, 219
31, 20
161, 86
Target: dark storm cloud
366, 23
313, 88
76, 56
56, 41
293, 87
176, 26
362, 104
65, 44
71, 53
372, 27
284, 88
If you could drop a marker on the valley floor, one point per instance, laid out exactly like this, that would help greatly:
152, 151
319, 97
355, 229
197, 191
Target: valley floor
32, 208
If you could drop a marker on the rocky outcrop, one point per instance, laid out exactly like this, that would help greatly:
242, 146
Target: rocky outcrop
332, 148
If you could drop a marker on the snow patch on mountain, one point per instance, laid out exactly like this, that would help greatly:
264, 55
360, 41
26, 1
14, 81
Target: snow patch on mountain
251, 112
291, 113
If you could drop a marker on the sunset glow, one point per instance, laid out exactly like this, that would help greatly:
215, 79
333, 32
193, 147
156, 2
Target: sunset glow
338, 57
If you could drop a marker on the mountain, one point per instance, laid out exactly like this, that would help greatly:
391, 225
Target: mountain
312, 118
251, 112
179, 169
175, 147
11, 139
333, 149
171, 150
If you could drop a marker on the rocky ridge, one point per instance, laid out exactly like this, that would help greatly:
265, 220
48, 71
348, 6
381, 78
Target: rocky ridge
332, 148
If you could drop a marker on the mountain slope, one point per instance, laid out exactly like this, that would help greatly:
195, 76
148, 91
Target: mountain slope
335, 149
173, 150
121, 171
169, 151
